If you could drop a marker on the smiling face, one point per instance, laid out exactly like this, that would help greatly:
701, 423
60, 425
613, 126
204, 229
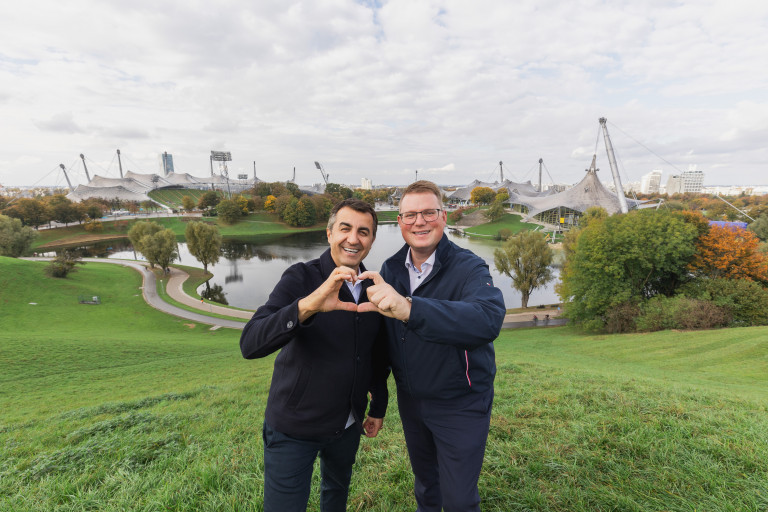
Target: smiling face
422, 236
351, 237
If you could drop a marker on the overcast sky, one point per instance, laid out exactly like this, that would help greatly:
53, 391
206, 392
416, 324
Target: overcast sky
380, 89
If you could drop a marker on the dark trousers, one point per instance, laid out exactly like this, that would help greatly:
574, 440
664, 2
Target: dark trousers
288, 464
446, 445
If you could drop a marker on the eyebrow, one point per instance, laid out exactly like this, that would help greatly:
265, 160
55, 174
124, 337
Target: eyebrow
343, 224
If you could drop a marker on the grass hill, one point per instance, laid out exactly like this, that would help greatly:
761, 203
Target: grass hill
120, 407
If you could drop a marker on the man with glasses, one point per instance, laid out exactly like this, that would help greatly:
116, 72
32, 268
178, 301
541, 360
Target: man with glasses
443, 315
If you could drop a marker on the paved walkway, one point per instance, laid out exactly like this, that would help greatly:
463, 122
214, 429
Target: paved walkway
175, 290
149, 289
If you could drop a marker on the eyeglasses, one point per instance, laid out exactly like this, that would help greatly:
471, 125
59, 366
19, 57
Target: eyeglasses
428, 215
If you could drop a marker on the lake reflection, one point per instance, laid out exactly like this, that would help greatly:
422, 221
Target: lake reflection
249, 269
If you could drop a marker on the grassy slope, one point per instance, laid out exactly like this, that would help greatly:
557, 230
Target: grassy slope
119, 407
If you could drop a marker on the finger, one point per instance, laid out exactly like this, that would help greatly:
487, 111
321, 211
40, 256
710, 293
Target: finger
343, 274
346, 306
372, 274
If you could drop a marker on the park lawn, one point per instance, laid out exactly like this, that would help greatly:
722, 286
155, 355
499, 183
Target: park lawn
513, 222
120, 407
255, 224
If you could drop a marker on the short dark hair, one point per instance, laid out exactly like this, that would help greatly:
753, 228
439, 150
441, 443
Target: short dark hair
358, 206
421, 187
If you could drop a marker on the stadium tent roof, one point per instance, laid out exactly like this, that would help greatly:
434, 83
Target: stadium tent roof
585, 194
524, 189
83, 192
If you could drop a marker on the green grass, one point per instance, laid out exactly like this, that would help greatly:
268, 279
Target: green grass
387, 215
510, 221
253, 225
119, 407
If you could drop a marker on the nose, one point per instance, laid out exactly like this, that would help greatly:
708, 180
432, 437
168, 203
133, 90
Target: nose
352, 237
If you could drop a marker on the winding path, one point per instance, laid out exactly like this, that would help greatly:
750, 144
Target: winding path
175, 290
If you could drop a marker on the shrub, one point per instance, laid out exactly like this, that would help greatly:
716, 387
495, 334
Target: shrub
63, 264
503, 234
622, 318
457, 215
746, 301
681, 312
94, 226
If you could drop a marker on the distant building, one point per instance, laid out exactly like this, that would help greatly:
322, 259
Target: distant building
651, 182
166, 163
674, 184
693, 180
365, 184
689, 181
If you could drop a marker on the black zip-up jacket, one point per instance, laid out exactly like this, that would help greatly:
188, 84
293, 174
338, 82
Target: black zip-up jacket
327, 365
446, 348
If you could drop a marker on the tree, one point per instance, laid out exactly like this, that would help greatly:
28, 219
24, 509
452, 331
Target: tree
625, 258
305, 212
339, 192
289, 211
63, 264
31, 212
160, 248
203, 242
482, 195
208, 200
323, 206
242, 203
269, 203
760, 227
228, 211
188, 203
293, 189
15, 239
495, 212
281, 203
93, 210
262, 189
729, 253
62, 209
526, 258
139, 231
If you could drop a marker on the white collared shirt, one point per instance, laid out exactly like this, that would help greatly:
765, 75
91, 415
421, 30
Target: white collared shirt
417, 276
355, 288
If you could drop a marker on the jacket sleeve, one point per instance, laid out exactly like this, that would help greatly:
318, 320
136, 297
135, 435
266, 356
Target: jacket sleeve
469, 320
380, 374
275, 323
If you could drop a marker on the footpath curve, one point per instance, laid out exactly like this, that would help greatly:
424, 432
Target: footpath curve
149, 291
175, 290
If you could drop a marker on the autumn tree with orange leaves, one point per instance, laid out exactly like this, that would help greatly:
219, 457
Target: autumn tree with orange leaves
728, 253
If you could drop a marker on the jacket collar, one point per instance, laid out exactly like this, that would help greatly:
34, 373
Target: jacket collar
442, 253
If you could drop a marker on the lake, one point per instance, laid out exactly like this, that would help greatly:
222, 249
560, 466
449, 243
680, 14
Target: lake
249, 269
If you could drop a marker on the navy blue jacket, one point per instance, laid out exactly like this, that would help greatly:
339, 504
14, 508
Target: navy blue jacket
325, 367
446, 348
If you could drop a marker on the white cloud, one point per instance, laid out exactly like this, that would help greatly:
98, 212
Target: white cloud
383, 91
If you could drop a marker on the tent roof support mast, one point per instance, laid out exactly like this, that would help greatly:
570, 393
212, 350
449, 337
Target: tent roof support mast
614, 167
